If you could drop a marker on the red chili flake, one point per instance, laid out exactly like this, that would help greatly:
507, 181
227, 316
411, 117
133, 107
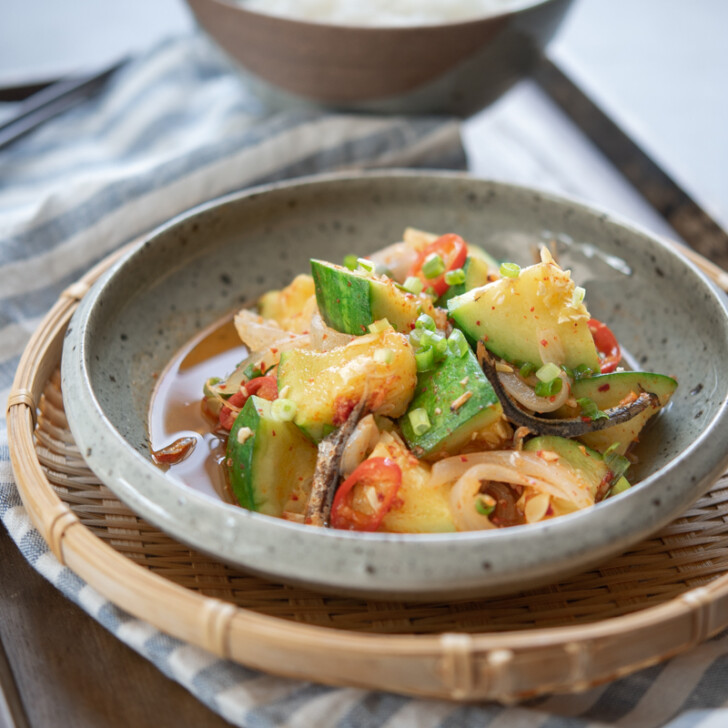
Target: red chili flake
175, 452
273, 350
294, 497
532, 309
348, 283
412, 326
363, 328
477, 323
586, 419
544, 342
338, 300
273, 432
463, 459
485, 338
604, 388
342, 409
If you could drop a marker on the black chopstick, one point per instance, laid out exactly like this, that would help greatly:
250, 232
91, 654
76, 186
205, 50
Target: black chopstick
53, 100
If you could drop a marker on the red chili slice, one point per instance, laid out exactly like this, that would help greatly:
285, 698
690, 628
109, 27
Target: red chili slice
264, 387
607, 346
452, 249
383, 476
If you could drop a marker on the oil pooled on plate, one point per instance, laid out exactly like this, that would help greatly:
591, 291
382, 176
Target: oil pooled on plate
177, 411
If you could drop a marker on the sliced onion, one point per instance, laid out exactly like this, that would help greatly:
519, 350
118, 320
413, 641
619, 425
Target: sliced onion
524, 395
553, 351
520, 468
361, 442
323, 337
257, 332
462, 501
398, 259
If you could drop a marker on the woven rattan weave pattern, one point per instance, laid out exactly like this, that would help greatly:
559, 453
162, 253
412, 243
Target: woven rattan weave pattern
689, 553
661, 598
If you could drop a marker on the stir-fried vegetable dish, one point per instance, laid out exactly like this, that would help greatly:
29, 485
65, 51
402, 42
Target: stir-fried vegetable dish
429, 388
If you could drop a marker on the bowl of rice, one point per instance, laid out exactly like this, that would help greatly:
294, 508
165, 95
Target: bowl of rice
384, 56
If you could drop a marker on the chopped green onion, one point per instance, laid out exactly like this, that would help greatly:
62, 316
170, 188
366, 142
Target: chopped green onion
619, 487
283, 410
548, 372
577, 297
367, 265
454, 277
510, 270
568, 371
439, 346
207, 387
457, 343
617, 463
416, 337
425, 321
433, 266
419, 420
351, 262
589, 409
425, 359
582, 372
384, 356
378, 326
413, 285
252, 371
548, 389
483, 508
526, 369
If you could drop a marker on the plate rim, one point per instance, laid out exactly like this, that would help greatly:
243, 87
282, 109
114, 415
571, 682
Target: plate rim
376, 585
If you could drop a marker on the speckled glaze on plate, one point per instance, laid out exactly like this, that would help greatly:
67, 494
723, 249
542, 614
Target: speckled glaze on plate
147, 306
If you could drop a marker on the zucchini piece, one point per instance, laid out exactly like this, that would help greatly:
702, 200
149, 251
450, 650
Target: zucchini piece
608, 390
418, 507
476, 271
290, 307
588, 463
475, 251
455, 416
351, 300
271, 463
511, 315
326, 385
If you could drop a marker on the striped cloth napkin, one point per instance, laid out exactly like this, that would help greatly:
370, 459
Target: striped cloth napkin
171, 130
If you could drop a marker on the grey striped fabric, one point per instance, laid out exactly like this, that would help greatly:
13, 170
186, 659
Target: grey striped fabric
171, 130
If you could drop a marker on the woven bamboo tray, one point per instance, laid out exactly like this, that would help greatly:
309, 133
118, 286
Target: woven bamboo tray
661, 598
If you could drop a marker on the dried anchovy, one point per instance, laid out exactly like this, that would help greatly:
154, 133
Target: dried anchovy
573, 427
326, 474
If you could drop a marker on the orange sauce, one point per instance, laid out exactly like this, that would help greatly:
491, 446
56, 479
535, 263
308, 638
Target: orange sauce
176, 409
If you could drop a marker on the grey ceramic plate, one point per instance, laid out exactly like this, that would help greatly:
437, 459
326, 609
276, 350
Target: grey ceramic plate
153, 301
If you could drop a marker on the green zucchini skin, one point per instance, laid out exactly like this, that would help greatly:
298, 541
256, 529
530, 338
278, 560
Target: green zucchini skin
476, 271
349, 301
589, 463
271, 467
344, 298
608, 390
436, 391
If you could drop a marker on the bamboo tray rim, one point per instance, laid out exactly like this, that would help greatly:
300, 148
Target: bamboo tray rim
458, 665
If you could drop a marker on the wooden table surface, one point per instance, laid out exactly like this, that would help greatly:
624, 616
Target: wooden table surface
59, 667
